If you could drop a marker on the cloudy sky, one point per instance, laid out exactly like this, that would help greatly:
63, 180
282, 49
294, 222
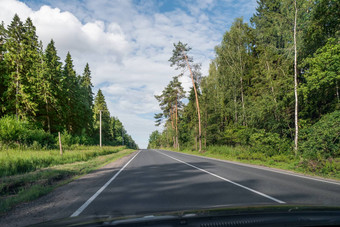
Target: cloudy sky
127, 44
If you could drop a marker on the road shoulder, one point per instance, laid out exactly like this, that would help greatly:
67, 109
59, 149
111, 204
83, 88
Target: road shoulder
64, 200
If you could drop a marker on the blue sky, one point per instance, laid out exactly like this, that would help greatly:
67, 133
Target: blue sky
128, 43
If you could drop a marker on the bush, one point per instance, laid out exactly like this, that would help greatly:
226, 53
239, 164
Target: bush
20, 132
268, 143
321, 140
11, 130
237, 135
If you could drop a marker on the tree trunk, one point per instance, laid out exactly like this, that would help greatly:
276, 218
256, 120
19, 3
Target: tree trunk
273, 92
235, 106
197, 105
173, 127
242, 100
295, 84
337, 90
241, 81
48, 117
176, 124
17, 93
196, 143
205, 132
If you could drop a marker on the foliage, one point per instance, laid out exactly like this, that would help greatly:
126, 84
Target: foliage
248, 97
269, 144
18, 132
321, 89
321, 141
46, 95
154, 140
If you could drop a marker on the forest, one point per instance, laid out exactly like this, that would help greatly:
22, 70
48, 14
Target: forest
272, 92
41, 96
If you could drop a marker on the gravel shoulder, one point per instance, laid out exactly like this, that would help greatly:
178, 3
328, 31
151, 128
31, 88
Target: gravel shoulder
64, 200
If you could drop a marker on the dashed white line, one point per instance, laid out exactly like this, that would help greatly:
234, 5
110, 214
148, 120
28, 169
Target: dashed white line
224, 179
265, 168
89, 201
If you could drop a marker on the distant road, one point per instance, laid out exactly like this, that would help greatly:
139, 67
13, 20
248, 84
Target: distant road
157, 180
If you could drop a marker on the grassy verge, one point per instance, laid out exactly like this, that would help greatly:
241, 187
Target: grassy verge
328, 169
22, 161
25, 187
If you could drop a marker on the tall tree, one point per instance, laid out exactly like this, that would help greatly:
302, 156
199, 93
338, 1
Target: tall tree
182, 61
100, 105
233, 57
51, 89
3, 68
16, 60
88, 98
170, 102
323, 22
75, 102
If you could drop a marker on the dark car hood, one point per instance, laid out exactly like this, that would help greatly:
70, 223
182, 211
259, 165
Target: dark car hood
232, 216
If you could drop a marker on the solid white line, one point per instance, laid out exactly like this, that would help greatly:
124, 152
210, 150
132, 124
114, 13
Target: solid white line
263, 168
222, 178
82, 208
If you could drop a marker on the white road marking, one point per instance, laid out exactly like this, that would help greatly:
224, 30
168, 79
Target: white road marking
224, 179
82, 208
264, 168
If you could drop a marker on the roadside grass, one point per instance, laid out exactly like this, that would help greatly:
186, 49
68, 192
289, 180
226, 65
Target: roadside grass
26, 187
22, 161
325, 168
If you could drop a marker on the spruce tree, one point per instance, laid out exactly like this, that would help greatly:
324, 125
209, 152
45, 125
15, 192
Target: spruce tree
87, 99
100, 105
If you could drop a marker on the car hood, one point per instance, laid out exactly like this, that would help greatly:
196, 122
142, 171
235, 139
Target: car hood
236, 215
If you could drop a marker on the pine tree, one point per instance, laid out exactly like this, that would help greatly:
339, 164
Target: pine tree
170, 102
182, 61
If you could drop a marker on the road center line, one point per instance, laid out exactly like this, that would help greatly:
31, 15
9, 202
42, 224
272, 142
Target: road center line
89, 201
270, 169
224, 179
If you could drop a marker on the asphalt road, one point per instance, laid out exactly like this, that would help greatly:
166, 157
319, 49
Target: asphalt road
156, 180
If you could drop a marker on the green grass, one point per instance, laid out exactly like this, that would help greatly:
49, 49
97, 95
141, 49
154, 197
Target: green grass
25, 187
22, 161
326, 168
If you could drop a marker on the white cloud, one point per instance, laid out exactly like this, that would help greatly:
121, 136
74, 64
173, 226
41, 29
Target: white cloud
127, 45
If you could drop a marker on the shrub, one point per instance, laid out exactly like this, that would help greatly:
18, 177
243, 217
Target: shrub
14, 131
237, 135
321, 140
268, 143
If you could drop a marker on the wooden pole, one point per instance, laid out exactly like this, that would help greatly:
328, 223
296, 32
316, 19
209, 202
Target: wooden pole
60, 146
100, 128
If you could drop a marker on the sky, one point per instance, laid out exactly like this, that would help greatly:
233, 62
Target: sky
128, 43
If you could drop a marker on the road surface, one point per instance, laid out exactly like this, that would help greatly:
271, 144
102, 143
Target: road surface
156, 180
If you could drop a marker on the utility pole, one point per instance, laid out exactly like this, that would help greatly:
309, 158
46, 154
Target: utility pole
100, 128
